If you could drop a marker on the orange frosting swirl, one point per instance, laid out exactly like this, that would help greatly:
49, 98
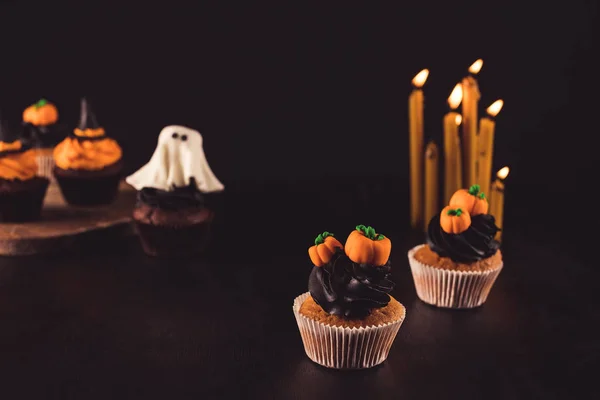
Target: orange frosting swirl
22, 166
5, 146
90, 155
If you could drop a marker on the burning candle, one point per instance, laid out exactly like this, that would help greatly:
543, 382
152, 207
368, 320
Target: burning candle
496, 199
459, 169
431, 183
487, 127
470, 102
415, 114
452, 153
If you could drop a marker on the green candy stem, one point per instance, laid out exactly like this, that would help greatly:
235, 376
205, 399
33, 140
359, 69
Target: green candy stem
321, 238
369, 232
455, 213
475, 190
41, 103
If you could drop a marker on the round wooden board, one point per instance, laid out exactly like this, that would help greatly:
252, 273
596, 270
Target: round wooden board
63, 226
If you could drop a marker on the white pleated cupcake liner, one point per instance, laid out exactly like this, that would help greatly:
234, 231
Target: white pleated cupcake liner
45, 166
345, 348
450, 288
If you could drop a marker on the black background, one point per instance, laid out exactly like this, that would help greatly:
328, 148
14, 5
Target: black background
303, 110
298, 93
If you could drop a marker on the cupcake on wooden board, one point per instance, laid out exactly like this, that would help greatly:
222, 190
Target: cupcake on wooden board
460, 262
22, 192
88, 163
347, 319
170, 215
42, 131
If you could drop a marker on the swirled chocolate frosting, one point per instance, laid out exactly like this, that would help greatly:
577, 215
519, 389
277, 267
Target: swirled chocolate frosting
346, 289
472, 245
177, 199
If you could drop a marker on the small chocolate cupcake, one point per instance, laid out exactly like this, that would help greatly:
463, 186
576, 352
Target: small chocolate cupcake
42, 132
170, 215
21, 191
461, 260
172, 223
88, 163
348, 320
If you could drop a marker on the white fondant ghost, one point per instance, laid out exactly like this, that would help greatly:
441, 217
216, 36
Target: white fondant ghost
178, 157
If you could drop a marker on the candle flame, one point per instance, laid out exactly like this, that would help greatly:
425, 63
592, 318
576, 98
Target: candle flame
456, 96
503, 172
420, 78
458, 119
495, 108
476, 67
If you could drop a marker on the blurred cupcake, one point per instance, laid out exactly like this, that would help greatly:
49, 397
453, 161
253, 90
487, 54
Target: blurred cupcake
21, 191
460, 262
42, 132
170, 215
348, 320
88, 163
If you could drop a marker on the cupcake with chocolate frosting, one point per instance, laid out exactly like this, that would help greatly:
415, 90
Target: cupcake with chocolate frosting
460, 261
22, 192
42, 132
88, 163
170, 215
347, 319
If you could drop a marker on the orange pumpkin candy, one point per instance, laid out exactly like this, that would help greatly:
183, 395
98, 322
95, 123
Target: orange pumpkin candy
472, 201
454, 220
324, 248
365, 246
41, 113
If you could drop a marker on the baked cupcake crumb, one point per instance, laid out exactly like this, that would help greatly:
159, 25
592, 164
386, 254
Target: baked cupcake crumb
427, 256
392, 312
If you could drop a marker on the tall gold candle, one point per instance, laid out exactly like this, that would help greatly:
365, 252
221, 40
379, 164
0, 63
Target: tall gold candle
431, 183
470, 102
459, 170
496, 199
487, 127
415, 126
452, 161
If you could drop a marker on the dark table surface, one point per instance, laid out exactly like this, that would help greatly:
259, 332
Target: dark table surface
108, 322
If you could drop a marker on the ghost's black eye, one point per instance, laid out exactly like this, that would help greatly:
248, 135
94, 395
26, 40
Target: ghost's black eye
184, 137
174, 135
